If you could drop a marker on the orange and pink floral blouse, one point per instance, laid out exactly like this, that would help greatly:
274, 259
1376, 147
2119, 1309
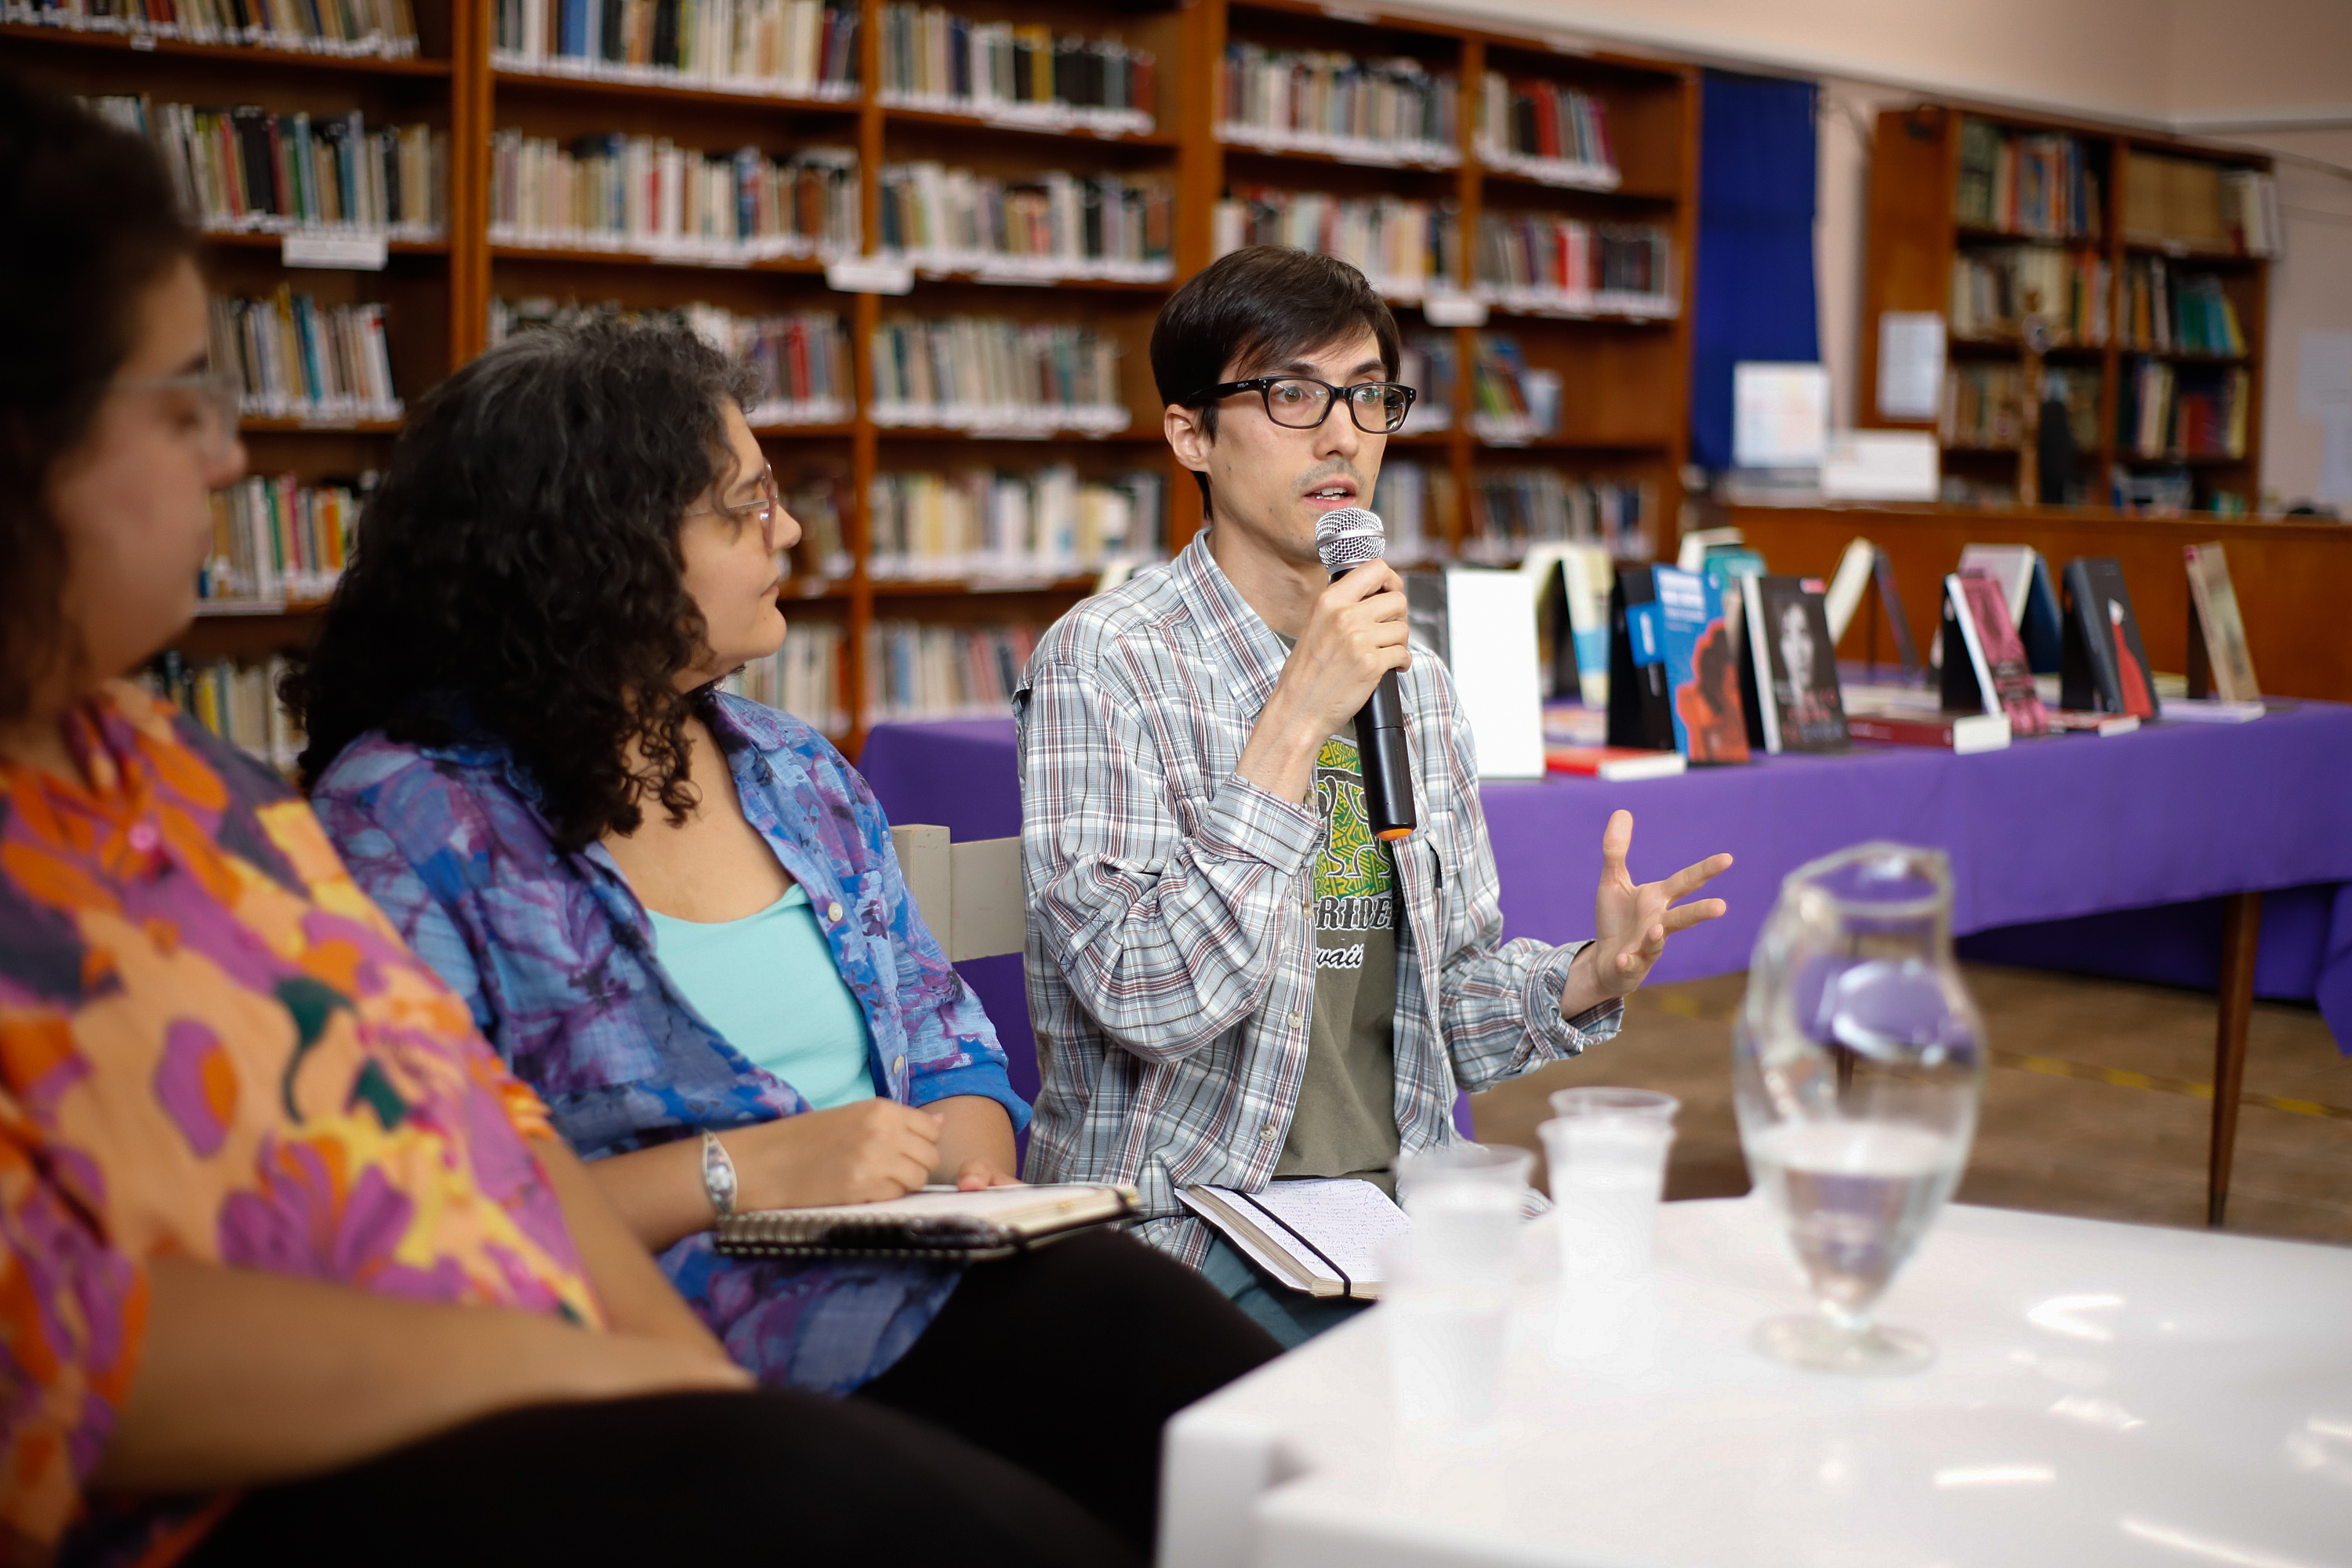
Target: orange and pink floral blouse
212, 1046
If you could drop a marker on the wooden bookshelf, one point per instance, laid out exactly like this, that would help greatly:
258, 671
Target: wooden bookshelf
1918, 241
1624, 402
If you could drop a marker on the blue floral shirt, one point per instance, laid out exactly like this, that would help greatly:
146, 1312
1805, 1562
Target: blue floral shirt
555, 956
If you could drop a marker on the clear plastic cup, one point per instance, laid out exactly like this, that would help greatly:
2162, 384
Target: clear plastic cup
1608, 1176
1447, 1330
1468, 1201
1599, 1101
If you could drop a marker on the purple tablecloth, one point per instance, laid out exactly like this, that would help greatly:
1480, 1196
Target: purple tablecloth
2074, 852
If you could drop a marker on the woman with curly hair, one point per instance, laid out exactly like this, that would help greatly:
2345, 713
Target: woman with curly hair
295, 1269
678, 914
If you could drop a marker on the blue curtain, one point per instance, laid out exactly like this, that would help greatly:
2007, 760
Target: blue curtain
1755, 283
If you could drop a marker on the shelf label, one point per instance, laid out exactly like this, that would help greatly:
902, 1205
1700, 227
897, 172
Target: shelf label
869, 275
1450, 309
348, 252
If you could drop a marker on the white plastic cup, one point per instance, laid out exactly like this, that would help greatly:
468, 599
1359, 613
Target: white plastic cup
1447, 1330
1647, 1104
1468, 1201
1608, 1176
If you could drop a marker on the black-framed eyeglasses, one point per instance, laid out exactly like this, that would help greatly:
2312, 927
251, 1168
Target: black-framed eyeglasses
763, 511
1302, 403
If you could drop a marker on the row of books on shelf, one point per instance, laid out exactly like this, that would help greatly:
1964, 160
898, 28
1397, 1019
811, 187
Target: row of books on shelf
994, 375
1714, 658
276, 537
986, 524
784, 48
1394, 111
1531, 263
244, 169
917, 669
1013, 72
1538, 264
984, 374
1542, 131
298, 359
1999, 292
238, 702
1984, 407
2027, 183
2193, 205
647, 196
803, 678
2136, 488
1514, 511
2167, 411
1511, 401
2183, 411
2168, 310
800, 358
1406, 248
1047, 227
382, 28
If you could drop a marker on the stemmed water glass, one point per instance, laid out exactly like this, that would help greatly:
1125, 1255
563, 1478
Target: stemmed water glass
1858, 1063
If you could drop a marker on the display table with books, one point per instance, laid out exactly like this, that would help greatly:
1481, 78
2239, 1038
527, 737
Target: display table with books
2102, 854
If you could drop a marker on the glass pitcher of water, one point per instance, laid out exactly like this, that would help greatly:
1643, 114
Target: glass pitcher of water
1858, 1061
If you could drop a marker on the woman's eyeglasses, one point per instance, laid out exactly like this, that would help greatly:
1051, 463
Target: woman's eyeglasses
763, 511
1302, 403
208, 400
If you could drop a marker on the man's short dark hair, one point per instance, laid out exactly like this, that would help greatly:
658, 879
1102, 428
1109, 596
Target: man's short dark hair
1259, 306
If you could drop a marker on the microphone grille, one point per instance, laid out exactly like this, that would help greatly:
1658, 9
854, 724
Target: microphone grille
1349, 537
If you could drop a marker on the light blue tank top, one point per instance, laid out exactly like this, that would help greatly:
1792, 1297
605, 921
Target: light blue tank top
769, 984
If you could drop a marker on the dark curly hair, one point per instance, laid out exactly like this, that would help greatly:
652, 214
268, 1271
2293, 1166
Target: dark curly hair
518, 570
87, 224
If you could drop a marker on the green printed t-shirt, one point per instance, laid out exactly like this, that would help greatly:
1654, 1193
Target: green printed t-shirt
1345, 1123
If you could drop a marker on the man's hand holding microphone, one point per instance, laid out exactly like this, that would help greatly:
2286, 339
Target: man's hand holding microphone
1356, 639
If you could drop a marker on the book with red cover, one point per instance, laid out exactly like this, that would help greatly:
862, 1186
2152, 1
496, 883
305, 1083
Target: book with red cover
1959, 733
1984, 658
1613, 765
2105, 665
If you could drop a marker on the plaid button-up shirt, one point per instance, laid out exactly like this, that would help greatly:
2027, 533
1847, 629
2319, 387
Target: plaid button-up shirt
1171, 953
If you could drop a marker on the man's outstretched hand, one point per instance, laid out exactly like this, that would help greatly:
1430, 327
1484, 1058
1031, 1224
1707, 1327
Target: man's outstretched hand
1631, 920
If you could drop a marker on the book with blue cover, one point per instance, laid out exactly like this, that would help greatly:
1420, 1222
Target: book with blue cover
1700, 649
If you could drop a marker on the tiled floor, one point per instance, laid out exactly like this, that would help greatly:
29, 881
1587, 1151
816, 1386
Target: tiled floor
2093, 1106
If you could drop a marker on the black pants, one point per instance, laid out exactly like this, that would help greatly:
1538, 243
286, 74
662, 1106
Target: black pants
1045, 1378
1069, 1359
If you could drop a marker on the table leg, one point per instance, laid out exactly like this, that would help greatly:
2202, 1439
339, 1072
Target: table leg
2241, 929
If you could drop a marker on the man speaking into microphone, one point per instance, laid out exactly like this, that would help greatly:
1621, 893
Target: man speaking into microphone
1235, 976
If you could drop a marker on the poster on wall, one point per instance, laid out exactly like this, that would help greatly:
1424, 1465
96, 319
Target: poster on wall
1910, 364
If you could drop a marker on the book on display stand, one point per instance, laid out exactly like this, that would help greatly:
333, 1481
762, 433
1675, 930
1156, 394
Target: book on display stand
1984, 661
2220, 663
1640, 708
1699, 639
1791, 667
2105, 668
2024, 576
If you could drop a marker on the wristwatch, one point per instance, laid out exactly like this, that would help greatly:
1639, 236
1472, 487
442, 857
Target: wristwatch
717, 1176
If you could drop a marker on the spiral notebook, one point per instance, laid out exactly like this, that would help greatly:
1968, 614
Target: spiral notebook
937, 1222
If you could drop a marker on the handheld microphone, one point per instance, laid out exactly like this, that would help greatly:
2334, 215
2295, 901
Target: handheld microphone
1345, 539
